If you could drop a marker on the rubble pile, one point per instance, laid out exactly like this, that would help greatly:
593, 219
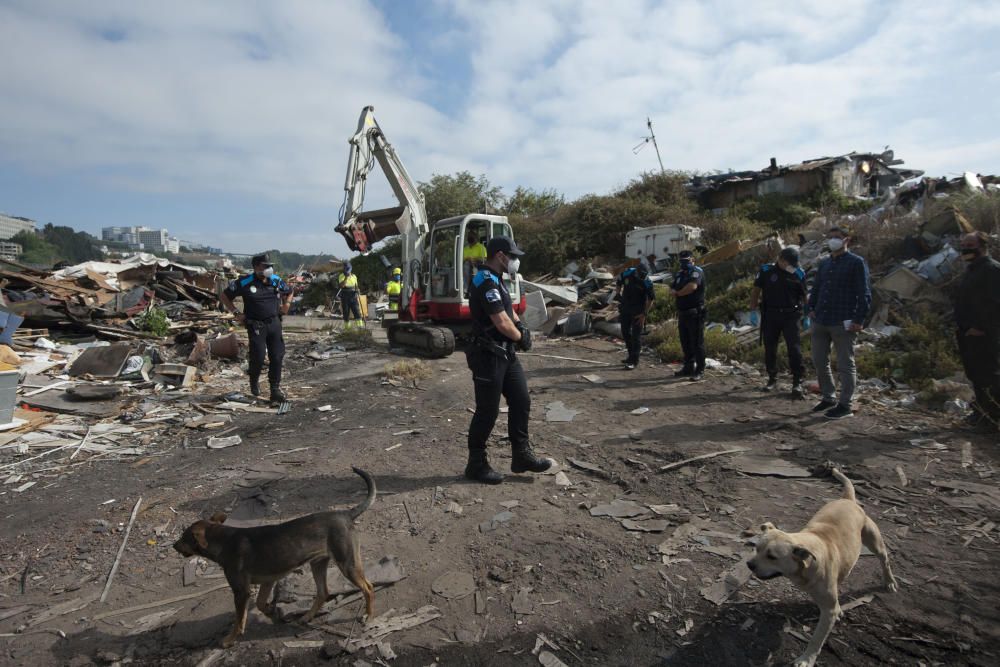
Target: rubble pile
103, 299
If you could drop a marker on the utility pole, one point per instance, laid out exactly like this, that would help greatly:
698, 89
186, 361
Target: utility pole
646, 140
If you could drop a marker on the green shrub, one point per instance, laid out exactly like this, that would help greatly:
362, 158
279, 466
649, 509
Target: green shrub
922, 351
154, 321
664, 305
720, 345
724, 302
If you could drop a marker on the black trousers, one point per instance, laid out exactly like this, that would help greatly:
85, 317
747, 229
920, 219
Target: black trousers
494, 376
774, 326
691, 324
981, 359
266, 338
632, 333
351, 308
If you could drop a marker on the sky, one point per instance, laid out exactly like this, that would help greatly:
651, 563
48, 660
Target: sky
227, 122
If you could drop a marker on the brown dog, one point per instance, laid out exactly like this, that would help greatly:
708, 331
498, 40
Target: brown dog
819, 558
265, 554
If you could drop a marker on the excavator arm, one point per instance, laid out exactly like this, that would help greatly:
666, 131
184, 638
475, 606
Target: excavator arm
363, 229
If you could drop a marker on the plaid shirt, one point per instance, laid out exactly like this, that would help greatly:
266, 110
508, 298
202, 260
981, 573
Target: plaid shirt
841, 291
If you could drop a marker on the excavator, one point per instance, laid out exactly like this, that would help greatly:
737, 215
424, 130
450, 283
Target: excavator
434, 305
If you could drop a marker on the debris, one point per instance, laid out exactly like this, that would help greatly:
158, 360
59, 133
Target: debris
151, 621
121, 550
902, 476
101, 362
522, 604
495, 522
304, 643
324, 408
553, 356
728, 583
688, 624
190, 572
864, 599
650, 526
966, 448
387, 624
558, 412
619, 509
480, 602
678, 464
453, 508
562, 479
760, 465
549, 660
222, 443
510, 504
589, 467
593, 378
387, 570
24, 487
160, 603
639, 411
663, 510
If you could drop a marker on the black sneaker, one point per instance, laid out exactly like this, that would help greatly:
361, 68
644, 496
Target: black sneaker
772, 384
823, 405
797, 391
696, 377
629, 366
839, 412
683, 373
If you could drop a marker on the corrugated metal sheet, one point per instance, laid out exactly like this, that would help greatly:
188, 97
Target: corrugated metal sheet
819, 163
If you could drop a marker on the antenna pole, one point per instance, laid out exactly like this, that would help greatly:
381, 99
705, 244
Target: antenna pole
652, 136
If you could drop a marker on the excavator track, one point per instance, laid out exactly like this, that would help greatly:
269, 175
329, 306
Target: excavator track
429, 341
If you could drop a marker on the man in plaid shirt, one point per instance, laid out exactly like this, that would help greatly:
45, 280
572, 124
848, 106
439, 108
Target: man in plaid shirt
838, 305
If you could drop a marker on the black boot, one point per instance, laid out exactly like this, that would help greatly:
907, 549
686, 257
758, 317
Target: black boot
277, 396
478, 468
524, 460
255, 386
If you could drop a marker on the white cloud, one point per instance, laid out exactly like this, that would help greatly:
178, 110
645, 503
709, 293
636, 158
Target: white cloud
259, 99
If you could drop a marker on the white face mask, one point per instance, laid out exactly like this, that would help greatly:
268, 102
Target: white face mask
268, 272
513, 264
790, 268
834, 244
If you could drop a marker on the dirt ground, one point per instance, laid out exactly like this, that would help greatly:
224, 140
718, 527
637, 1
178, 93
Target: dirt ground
599, 593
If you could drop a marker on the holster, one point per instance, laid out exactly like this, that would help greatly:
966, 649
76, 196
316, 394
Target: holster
502, 350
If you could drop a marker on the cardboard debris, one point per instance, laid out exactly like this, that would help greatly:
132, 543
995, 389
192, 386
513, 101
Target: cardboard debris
558, 412
454, 585
760, 465
619, 509
728, 583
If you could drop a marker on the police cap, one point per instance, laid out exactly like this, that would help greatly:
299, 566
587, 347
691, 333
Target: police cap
685, 254
790, 255
502, 244
264, 259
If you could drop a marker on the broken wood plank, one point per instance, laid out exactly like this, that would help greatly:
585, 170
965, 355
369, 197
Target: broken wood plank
121, 550
554, 356
678, 464
160, 603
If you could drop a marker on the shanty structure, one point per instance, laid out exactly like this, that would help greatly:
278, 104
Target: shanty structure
853, 174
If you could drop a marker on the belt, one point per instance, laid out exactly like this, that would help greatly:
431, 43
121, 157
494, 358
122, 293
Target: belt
266, 320
692, 311
782, 310
494, 347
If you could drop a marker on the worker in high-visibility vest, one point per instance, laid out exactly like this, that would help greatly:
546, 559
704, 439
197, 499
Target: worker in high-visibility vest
393, 289
351, 309
473, 255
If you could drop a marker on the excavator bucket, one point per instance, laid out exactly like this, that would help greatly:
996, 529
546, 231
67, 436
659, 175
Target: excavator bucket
370, 227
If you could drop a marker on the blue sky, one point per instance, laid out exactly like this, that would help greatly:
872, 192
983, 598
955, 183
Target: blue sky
226, 122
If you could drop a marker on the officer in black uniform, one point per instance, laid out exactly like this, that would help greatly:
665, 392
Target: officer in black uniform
780, 291
635, 294
689, 288
495, 368
977, 317
266, 298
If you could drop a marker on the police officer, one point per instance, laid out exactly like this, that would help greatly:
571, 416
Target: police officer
635, 296
349, 306
266, 298
393, 289
689, 288
495, 368
977, 316
780, 291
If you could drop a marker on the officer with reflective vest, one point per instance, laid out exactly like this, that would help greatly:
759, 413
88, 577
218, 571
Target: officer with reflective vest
350, 307
394, 288
688, 287
780, 291
495, 368
635, 295
266, 298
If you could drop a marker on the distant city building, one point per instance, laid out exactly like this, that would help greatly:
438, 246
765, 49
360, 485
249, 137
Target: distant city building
142, 238
201, 247
11, 225
10, 250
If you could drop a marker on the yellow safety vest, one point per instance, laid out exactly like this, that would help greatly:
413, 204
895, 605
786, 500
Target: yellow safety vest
473, 252
348, 282
393, 289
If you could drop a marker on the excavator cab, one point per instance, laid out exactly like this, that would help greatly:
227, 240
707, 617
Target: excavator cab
454, 260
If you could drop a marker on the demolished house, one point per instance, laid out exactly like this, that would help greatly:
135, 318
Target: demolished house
853, 174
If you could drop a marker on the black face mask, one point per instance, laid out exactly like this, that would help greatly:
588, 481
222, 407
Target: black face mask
970, 254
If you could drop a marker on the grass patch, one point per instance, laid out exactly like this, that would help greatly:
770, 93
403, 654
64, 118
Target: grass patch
154, 321
410, 370
718, 344
355, 338
925, 350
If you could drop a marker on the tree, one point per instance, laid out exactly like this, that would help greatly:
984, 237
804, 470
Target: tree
35, 250
71, 246
526, 202
447, 196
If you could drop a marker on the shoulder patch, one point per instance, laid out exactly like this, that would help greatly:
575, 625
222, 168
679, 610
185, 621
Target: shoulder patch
766, 267
483, 276
246, 280
799, 273
696, 274
493, 296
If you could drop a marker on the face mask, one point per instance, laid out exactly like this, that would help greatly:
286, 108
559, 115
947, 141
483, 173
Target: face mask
834, 244
790, 268
686, 263
268, 272
513, 265
970, 254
